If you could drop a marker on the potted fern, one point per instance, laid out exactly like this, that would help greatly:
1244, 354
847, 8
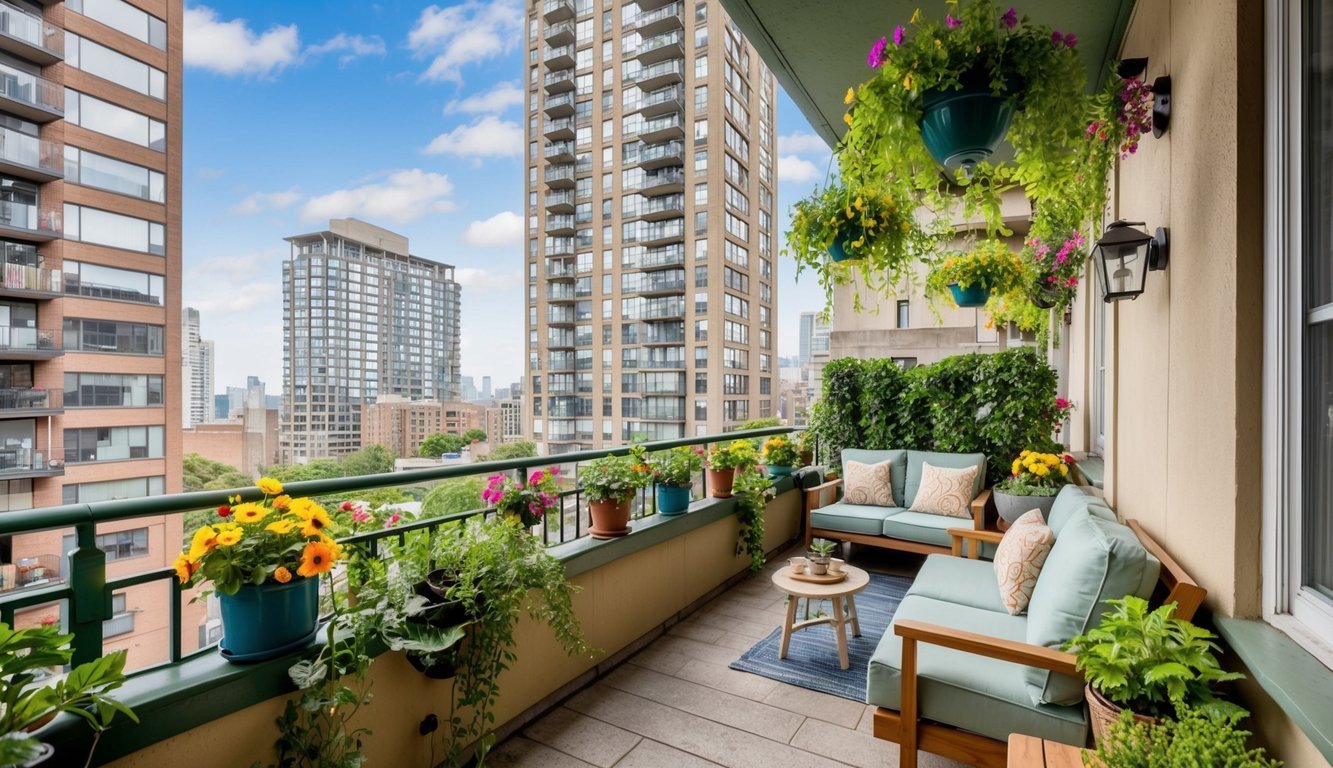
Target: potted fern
1193, 738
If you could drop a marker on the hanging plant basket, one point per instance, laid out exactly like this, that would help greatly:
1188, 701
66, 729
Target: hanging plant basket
838, 249
963, 128
1045, 297
969, 296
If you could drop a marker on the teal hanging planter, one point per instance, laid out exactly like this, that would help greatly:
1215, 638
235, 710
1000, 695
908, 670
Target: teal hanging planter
838, 250
672, 499
962, 128
269, 620
970, 296
777, 471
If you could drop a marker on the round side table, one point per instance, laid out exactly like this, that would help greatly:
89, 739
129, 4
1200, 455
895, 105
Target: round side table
838, 592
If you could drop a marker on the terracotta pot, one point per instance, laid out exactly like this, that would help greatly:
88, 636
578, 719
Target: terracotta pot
1102, 714
610, 517
807, 458
719, 482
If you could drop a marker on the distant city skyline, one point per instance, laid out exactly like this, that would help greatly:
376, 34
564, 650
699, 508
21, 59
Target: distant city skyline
446, 172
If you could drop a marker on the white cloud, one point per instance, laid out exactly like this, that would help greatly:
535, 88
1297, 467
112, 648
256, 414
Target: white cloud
504, 228
230, 269
262, 202
239, 298
793, 168
496, 100
467, 33
488, 137
802, 143
232, 48
401, 197
476, 280
351, 46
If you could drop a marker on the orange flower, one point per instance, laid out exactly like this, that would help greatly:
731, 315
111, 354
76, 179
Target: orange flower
184, 568
282, 575
317, 558
282, 502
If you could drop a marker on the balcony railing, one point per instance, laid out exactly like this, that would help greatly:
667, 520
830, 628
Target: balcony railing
559, 56
28, 462
20, 277
560, 32
33, 97
559, 128
31, 157
662, 256
557, 10
30, 36
24, 339
31, 220
34, 571
660, 47
665, 17
17, 399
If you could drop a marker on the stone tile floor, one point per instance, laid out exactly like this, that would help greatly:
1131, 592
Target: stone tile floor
675, 704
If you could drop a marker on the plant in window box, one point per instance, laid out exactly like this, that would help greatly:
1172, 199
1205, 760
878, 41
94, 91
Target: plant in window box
674, 472
723, 463
969, 277
609, 483
1150, 663
780, 456
1035, 479
526, 502
264, 559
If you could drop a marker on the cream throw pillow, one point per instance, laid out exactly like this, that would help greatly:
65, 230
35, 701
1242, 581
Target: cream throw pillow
870, 484
945, 491
1019, 558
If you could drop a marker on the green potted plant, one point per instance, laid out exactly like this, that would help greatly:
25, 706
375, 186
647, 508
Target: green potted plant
970, 277
805, 443
674, 471
27, 657
1035, 479
752, 489
821, 551
780, 456
723, 461
1147, 662
1193, 737
609, 483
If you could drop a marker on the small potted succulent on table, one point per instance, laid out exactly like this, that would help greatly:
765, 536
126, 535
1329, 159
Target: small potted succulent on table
821, 552
529, 502
674, 471
609, 483
781, 456
723, 461
1034, 481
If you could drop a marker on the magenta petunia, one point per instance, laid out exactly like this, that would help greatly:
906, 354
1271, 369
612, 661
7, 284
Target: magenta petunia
1009, 19
1057, 38
876, 56
1070, 40
951, 22
898, 34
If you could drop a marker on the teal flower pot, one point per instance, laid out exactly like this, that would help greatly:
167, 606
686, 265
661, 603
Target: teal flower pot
774, 471
269, 620
672, 499
962, 128
838, 250
971, 296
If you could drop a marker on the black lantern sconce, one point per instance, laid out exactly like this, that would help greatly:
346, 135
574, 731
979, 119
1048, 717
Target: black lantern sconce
1125, 255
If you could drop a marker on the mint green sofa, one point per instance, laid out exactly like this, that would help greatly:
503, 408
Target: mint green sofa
895, 527
980, 674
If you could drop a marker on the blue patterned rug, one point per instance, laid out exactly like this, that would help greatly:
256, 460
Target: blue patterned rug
812, 656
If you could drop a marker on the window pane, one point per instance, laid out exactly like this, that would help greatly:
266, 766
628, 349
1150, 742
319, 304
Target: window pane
1317, 527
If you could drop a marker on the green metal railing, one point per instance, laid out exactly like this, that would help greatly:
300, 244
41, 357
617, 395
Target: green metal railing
88, 592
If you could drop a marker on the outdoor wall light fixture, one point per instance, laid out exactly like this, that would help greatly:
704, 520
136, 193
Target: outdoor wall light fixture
1161, 93
1125, 255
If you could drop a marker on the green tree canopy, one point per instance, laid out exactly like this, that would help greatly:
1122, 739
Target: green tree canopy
317, 469
761, 423
460, 494
475, 435
371, 460
519, 450
441, 443
201, 474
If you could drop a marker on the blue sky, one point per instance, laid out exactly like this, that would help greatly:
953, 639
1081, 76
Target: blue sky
406, 115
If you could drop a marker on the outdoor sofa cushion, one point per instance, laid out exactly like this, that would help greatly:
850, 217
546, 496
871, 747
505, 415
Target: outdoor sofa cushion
946, 491
922, 527
915, 460
1071, 499
1019, 558
897, 476
965, 690
958, 580
852, 518
868, 483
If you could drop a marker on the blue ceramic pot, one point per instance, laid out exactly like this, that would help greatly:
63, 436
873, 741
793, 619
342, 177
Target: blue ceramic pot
269, 620
962, 128
970, 296
774, 471
672, 499
838, 250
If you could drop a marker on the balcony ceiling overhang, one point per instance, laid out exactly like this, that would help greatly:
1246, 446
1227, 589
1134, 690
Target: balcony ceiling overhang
818, 49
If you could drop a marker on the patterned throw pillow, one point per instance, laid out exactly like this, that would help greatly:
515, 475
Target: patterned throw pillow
945, 491
869, 484
1019, 558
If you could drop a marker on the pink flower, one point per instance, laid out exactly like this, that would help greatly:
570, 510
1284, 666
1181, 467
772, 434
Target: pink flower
951, 22
876, 56
361, 516
1009, 19
393, 520
898, 34
347, 506
1070, 40
536, 477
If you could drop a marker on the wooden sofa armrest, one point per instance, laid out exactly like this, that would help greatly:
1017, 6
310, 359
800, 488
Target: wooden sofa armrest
913, 632
975, 538
979, 510
822, 495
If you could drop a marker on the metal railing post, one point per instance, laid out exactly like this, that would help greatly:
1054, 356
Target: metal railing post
90, 603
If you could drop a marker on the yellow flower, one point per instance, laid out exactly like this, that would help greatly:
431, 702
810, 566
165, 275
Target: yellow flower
205, 540
1064, 470
850, 97
907, 81
316, 558
847, 118
282, 502
1015, 467
281, 527
282, 575
301, 507
937, 42
184, 568
269, 486
870, 222
249, 512
857, 243
1040, 470
859, 203
316, 522
228, 538
916, 17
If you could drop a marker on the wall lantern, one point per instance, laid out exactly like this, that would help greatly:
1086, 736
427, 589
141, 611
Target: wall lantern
1125, 255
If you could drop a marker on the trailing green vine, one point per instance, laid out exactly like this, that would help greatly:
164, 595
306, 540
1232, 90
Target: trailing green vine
752, 489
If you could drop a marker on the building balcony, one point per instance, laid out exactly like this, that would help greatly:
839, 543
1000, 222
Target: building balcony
664, 207
560, 270
22, 343
559, 129
32, 97
560, 202
29, 157
661, 74
560, 316
28, 222
559, 361
560, 176
559, 33
559, 152
559, 339
662, 128
653, 283
659, 20
558, 56
661, 47
37, 283
559, 246
662, 232
32, 571
669, 307
560, 224
30, 37
559, 81
661, 257
662, 181
24, 403
663, 333
669, 363
561, 105
560, 292
662, 101
654, 156
557, 10
20, 463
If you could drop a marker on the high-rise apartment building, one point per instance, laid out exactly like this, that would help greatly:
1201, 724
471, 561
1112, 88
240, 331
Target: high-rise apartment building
362, 317
650, 258
90, 315
197, 371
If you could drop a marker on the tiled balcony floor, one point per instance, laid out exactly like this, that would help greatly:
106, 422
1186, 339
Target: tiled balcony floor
675, 704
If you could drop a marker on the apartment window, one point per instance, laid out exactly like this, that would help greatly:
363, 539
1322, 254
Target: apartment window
701, 67
112, 390
123, 17
123, 545
113, 443
904, 314
114, 121
111, 336
122, 619
701, 161
700, 98
701, 383
128, 488
102, 282
92, 225
114, 66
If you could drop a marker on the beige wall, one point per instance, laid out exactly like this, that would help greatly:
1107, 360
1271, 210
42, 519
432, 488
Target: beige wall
619, 603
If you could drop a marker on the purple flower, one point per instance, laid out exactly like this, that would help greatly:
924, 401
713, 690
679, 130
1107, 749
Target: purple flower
876, 55
951, 22
898, 34
1057, 38
1070, 40
1009, 19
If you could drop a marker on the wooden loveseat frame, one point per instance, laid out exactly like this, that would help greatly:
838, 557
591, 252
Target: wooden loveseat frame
911, 733
827, 493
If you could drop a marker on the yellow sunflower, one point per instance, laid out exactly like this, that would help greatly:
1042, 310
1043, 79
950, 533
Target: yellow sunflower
229, 537
249, 512
269, 486
204, 541
281, 527
316, 522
